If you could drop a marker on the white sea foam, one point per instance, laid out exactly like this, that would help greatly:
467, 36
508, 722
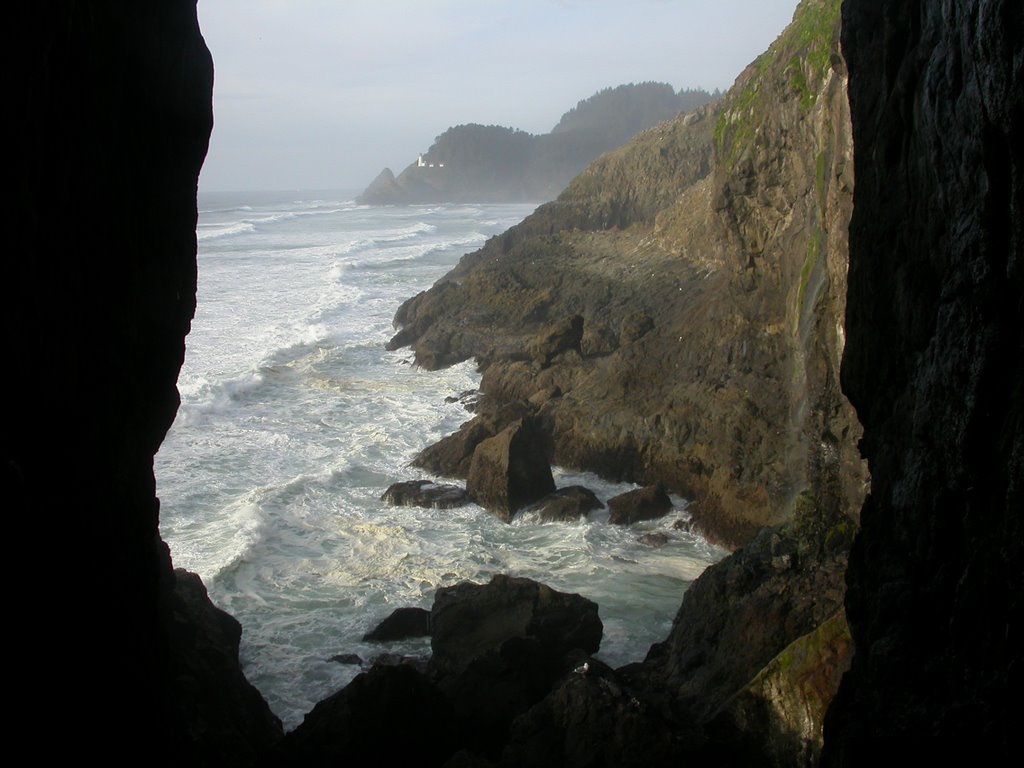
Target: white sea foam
225, 230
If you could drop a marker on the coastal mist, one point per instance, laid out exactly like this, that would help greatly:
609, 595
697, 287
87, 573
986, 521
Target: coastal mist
294, 420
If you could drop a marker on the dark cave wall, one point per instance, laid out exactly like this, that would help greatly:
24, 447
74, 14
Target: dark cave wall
934, 365
113, 117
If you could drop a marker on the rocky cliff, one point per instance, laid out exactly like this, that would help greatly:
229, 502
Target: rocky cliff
490, 163
118, 660
705, 263
934, 365
118, 654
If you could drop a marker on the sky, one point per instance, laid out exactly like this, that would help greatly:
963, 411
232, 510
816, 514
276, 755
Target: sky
323, 94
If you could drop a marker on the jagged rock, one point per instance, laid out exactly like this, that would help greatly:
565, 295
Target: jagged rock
391, 713
566, 504
647, 503
594, 719
382, 190
229, 721
541, 396
470, 620
419, 663
499, 648
510, 470
776, 720
425, 493
634, 326
452, 455
598, 339
402, 623
655, 540
556, 338
744, 610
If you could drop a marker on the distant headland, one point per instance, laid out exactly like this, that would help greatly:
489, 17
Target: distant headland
490, 163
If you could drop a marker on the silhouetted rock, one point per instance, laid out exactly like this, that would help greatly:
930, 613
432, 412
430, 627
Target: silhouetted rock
510, 470
934, 367
391, 714
347, 658
647, 503
745, 610
425, 493
566, 504
402, 623
469, 620
593, 719
229, 722
114, 123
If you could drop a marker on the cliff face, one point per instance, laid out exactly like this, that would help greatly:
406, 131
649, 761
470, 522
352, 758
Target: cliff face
707, 261
113, 123
935, 368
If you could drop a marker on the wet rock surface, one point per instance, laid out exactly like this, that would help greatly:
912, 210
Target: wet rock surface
425, 493
565, 505
648, 503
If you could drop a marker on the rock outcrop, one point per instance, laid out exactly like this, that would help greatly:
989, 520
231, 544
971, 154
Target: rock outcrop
510, 470
934, 366
676, 315
648, 503
470, 620
229, 723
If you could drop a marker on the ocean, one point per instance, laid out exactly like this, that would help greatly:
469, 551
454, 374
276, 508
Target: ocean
294, 420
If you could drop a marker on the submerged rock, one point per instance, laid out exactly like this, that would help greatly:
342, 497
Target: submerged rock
647, 503
347, 658
655, 540
566, 505
401, 624
425, 493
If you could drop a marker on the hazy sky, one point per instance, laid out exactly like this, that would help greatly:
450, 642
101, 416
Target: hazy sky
321, 94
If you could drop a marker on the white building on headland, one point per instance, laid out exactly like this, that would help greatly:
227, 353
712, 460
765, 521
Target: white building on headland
421, 163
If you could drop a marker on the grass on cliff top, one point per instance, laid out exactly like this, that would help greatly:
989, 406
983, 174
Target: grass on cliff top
796, 62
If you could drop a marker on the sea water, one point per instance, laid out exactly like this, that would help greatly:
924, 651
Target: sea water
294, 420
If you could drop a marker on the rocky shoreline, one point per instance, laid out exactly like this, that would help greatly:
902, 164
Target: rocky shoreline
120, 99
